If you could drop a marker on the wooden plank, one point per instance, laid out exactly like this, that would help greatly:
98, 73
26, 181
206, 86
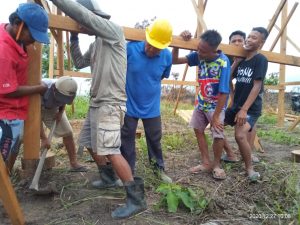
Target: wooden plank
294, 124
282, 69
51, 58
186, 115
32, 123
257, 144
88, 75
9, 197
289, 40
284, 24
66, 23
60, 49
199, 12
276, 14
291, 83
273, 87
74, 74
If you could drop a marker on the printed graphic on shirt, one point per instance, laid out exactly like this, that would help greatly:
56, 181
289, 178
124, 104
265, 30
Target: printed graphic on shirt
244, 75
209, 78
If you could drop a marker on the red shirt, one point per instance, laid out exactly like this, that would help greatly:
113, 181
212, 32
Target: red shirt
13, 73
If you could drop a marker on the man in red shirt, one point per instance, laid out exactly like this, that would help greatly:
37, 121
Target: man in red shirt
29, 23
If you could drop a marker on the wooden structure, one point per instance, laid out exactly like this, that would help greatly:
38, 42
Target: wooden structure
59, 23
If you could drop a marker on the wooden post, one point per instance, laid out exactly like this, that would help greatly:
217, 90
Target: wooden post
9, 197
281, 110
32, 123
60, 50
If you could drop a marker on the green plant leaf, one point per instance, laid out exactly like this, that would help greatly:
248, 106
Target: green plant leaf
172, 201
186, 199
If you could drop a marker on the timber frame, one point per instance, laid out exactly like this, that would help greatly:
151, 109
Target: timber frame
59, 23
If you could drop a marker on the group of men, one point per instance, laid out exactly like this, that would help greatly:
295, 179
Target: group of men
126, 87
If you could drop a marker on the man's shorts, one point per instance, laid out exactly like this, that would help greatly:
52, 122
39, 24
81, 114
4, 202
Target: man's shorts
63, 128
11, 133
201, 119
101, 130
230, 117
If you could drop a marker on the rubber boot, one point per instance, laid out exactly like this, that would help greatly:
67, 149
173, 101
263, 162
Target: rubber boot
135, 201
108, 178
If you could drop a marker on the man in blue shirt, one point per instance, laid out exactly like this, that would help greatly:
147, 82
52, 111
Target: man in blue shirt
148, 63
213, 78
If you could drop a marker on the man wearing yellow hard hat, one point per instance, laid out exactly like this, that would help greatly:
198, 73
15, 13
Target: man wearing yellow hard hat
148, 62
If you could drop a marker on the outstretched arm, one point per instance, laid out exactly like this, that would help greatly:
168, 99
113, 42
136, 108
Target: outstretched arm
186, 35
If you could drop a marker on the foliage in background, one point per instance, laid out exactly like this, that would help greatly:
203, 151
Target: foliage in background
45, 61
81, 104
279, 136
272, 79
173, 196
267, 119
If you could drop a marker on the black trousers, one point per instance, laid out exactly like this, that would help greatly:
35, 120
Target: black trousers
153, 132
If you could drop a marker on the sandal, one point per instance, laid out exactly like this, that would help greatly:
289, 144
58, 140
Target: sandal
219, 174
200, 168
227, 159
254, 176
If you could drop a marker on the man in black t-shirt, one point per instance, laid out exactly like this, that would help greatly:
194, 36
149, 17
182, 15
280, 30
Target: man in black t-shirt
247, 103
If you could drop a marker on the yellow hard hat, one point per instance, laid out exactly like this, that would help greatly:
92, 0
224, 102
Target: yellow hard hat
159, 34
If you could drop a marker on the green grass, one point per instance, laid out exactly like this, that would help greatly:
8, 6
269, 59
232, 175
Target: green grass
81, 104
267, 119
279, 136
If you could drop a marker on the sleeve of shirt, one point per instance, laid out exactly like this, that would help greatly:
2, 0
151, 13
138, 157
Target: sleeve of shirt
167, 70
80, 61
225, 77
261, 67
193, 59
99, 26
8, 77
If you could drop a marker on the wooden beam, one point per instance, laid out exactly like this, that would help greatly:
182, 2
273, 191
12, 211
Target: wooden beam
66, 23
294, 124
9, 197
275, 16
199, 13
88, 75
74, 74
273, 87
33, 121
284, 24
289, 40
291, 83
282, 69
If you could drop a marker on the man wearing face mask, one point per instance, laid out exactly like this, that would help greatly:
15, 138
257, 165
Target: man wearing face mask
101, 132
29, 23
58, 94
148, 62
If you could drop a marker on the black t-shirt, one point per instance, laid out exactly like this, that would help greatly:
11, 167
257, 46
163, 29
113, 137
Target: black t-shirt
245, 74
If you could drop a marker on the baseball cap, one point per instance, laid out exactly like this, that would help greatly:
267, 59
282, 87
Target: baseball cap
65, 89
36, 19
94, 7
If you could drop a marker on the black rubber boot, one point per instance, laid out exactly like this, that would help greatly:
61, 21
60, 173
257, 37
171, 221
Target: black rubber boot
108, 178
135, 201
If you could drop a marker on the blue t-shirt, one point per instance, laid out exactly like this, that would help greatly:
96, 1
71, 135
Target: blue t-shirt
143, 80
213, 78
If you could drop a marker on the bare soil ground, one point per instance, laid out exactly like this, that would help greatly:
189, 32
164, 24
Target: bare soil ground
232, 201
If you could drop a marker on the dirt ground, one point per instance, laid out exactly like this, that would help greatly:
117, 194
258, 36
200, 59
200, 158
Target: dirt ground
233, 201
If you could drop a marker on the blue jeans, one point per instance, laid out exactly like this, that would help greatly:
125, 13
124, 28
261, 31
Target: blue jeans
11, 132
153, 137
